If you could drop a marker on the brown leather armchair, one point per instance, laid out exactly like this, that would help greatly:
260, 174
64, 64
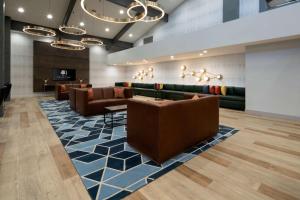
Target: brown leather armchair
102, 97
162, 131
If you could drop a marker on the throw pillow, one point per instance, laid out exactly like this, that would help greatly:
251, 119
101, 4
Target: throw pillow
224, 90
196, 97
90, 94
119, 92
127, 84
83, 85
212, 89
217, 90
158, 86
63, 88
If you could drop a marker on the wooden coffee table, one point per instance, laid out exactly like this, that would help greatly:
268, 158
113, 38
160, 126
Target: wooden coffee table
110, 111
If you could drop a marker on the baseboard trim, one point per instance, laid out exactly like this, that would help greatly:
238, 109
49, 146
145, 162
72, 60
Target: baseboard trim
274, 115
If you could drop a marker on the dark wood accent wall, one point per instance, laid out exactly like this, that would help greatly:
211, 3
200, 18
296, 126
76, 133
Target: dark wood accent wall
47, 58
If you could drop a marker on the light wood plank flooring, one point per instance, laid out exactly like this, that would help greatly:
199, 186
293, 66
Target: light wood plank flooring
262, 161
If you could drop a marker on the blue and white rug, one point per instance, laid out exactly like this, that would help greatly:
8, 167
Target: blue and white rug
107, 165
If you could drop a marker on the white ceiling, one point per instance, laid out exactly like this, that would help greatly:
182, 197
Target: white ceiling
36, 11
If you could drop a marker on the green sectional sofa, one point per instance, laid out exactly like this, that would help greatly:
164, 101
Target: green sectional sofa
234, 99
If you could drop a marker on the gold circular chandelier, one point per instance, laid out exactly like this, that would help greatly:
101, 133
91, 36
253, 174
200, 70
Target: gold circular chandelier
153, 5
139, 17
73, 30
39, 31
67, 45
91, 41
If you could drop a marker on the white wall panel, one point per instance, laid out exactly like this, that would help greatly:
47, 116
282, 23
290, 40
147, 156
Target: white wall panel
232, 67
272, 78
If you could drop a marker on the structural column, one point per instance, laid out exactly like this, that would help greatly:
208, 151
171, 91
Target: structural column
2, 62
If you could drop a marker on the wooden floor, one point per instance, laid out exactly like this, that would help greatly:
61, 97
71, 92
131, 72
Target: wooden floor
261, 161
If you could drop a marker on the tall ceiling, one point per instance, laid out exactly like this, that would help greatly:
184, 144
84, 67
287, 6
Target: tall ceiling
36, 11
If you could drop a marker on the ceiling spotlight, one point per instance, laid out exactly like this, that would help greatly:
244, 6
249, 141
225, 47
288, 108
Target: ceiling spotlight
121, 12
182, 75
172, 57
81, 24
21, 10
107, 29
205, 51
201, 54
198, 79
150, 69
130, 35
49, 16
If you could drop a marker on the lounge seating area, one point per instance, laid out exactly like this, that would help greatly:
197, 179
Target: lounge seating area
233, 99
149, 100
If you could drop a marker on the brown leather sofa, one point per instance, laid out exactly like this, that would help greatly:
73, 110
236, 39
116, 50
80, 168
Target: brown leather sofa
164, 130
62, 90
102, 97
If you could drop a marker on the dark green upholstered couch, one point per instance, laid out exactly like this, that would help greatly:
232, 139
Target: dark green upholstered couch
235, 98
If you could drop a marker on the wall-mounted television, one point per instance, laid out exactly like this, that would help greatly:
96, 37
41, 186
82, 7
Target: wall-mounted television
64, 74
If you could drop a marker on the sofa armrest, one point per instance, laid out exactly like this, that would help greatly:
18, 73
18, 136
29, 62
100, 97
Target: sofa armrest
142, 126
185, 123
82, 101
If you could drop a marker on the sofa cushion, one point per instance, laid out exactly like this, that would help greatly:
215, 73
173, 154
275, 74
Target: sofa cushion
239, 91
90, 94
232, 98
101, 103
120, 84
179, 87
230, 91
119, 92
108, 93
169, 87
198, 88
98, 93
205, 89
188, 88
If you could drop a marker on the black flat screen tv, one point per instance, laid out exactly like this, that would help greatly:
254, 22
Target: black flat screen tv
64, 74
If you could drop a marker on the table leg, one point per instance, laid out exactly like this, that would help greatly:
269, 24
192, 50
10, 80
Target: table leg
112, 120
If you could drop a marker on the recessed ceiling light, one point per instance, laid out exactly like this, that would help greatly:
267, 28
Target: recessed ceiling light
81, 23
50, 16
130, 35
121, 12
172, 57
201, 54
21, 10
204, 51
107, 29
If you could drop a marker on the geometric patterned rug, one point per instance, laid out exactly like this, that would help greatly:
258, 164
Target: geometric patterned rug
109, 168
